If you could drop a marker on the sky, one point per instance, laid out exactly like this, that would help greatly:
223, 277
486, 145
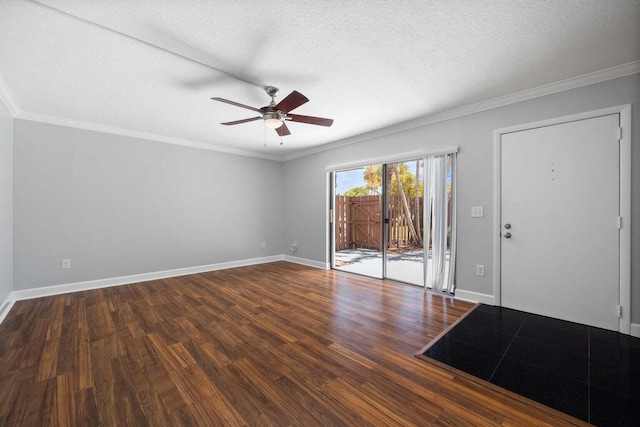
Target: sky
346, 180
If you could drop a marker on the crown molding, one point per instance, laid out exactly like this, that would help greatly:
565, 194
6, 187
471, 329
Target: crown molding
548, 89
79, 124
8, 99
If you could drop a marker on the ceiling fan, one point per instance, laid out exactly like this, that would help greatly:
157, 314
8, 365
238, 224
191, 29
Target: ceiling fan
275, 115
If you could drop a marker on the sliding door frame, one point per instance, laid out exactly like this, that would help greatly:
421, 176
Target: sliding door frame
384, 222
384, 161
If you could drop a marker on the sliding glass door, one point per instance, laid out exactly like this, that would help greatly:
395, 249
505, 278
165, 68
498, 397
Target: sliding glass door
404, 210
357, 221
397, 221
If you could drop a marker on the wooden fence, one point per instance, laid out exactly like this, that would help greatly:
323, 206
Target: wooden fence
358, 222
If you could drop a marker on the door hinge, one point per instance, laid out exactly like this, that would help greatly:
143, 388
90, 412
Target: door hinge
619, 222
619, 312
619, 133
330, 216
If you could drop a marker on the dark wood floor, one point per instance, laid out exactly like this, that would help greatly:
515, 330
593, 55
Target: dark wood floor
276, 344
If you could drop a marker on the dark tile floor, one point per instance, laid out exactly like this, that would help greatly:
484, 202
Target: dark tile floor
590, 373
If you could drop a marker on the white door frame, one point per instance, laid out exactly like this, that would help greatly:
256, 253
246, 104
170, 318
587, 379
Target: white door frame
625, 201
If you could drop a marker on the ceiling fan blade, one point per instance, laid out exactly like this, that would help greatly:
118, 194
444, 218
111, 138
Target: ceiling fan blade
237, 104
310, 120
283, 130
237, 122
292, 101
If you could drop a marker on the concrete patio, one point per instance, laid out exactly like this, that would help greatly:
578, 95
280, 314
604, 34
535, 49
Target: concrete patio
407, 267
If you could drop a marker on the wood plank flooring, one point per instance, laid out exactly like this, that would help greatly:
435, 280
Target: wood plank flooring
276, 345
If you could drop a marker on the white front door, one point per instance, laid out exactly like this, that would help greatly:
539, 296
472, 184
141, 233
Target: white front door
559, 212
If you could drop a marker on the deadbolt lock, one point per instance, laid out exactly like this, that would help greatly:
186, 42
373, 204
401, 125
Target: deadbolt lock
507, 226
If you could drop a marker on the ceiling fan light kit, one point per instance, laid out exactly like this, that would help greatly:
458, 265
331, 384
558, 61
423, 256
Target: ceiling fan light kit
272, 120
274, 115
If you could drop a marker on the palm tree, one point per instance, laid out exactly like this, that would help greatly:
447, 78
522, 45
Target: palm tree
404, 183
373, 177
405, 206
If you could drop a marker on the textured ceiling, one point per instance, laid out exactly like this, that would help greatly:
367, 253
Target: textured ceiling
150, 65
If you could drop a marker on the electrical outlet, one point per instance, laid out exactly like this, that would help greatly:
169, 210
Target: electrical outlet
264, 244
477, 212
66, 264
479, 270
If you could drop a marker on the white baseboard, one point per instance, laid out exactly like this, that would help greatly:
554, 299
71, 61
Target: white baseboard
470, 296
136, 278
307, 262
6, 306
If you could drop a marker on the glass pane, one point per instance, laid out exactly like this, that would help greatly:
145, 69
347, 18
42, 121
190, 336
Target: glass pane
358, 221
404, 211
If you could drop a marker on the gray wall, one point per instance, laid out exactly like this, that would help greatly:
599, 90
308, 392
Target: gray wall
118, 206
305, 178
6, 203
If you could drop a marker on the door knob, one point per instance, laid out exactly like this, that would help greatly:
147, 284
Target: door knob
507, 235
507, 226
